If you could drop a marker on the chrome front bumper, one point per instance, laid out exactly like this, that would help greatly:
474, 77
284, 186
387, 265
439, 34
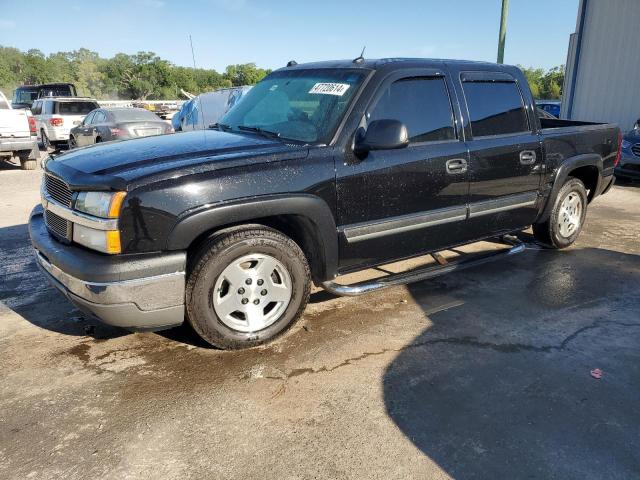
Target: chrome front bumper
128, 299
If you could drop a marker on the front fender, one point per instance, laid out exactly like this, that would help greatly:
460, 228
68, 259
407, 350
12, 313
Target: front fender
205, 219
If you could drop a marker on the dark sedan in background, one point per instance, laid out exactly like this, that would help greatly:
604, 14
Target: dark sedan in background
107, 124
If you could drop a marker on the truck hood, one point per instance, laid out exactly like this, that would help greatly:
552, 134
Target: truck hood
113, 164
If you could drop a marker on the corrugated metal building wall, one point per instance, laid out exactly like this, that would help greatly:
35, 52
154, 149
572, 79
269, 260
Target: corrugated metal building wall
602, 82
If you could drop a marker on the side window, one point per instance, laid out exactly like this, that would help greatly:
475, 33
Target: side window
48, 107
36, 108
99, 117
422, 104
88, 119
495, 108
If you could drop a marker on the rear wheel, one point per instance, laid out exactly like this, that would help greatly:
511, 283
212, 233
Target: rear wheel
27, 163
567, 217
246, 287
72, 142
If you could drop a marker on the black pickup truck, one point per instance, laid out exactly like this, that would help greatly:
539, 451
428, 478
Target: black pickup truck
323, 169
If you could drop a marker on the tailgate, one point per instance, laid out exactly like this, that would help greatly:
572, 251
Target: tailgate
14, 123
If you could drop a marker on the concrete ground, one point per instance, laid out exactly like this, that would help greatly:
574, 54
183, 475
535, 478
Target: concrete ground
480, 374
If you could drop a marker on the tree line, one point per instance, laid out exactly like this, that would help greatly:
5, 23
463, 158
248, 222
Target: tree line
545, 85
142, 76
146, 76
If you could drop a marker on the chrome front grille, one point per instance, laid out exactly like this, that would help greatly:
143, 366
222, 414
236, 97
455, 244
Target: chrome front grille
58, 190
57, 225
636, 149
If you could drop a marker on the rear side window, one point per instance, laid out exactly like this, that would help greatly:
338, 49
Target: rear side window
99, 117
422, 104
495, 108
75, 108
48, 107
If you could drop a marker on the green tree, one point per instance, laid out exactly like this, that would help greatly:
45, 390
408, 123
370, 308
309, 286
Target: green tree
245, 74
545, 85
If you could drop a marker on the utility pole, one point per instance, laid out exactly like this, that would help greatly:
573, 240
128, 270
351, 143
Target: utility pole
503, 30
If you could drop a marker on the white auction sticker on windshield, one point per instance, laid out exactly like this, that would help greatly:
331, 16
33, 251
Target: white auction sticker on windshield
330, 88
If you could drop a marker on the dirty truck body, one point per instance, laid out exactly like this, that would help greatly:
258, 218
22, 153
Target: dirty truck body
323, 169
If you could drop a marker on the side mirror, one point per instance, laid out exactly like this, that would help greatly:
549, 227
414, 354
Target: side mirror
382, 135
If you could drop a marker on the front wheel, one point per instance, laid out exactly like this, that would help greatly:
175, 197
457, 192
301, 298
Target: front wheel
246, 287
567, 217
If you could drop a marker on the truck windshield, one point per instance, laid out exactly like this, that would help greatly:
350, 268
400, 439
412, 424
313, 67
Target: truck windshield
301, 105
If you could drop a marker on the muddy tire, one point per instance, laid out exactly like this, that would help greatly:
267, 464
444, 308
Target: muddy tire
246, 286
29, 164
567, 217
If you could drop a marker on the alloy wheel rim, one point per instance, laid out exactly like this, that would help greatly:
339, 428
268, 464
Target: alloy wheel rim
570, 215
252, 292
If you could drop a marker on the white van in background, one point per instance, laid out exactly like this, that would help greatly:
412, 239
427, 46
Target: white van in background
56, 116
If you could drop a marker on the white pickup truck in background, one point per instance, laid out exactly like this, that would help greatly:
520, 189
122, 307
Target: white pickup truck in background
18, 136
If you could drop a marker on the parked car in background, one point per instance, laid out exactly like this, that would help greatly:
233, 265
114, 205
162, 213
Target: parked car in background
106, 124
23, 97
18, 135
629, 165
56, 116
207, 108
164, 110
550, 106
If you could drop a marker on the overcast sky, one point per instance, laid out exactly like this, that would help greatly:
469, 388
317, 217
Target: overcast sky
271, 32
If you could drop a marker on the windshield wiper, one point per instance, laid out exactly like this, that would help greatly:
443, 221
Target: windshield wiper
221, 126
261, 131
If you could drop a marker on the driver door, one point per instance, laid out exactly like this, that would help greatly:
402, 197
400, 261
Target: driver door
394, 204
83, 132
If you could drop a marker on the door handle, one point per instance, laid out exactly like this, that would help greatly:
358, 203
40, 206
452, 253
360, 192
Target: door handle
528, 157
456, 166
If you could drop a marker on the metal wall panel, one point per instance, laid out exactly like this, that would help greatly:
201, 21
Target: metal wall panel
607, 86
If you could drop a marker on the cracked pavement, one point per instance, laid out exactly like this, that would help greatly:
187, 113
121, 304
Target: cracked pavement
479, 374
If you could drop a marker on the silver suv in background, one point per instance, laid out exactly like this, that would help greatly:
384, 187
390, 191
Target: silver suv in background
56, 116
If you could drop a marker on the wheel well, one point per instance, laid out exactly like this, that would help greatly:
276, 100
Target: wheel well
298, 228
589, 176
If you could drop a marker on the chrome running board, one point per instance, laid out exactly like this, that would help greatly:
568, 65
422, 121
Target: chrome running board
442, 267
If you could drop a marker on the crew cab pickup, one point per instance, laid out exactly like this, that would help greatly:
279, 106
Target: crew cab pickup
18, 135
321, 170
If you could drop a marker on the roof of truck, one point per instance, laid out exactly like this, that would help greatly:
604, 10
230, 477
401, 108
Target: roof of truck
378, 63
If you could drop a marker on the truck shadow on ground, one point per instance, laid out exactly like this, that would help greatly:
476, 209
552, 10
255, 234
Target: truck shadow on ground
6, 165
500, 385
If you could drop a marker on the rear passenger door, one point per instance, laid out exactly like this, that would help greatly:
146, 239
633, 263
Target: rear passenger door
398, 203
506, 161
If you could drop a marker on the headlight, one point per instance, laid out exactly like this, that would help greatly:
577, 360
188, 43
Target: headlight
105, 238
100, 204
625, 144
